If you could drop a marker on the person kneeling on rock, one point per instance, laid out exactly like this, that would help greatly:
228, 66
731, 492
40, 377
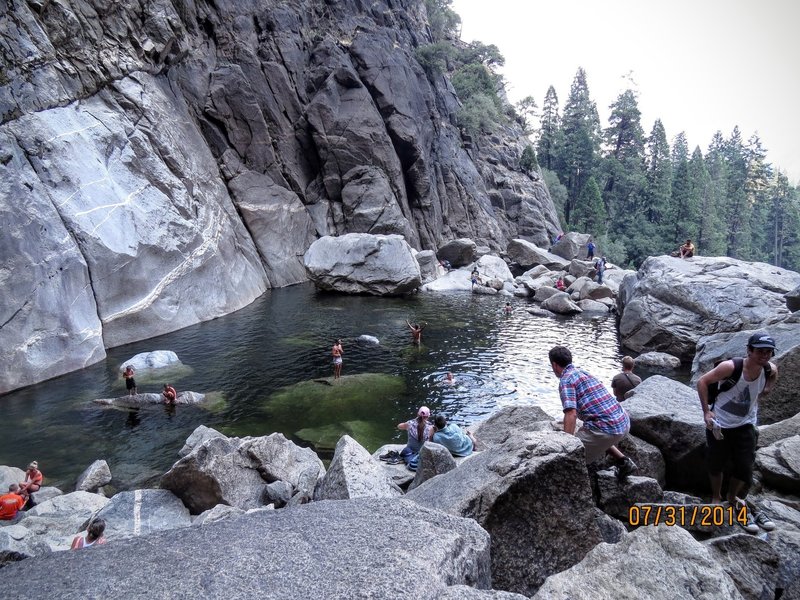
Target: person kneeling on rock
169, 394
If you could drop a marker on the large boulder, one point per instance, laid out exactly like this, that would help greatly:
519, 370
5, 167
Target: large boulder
667, 414
457, 280
336, 549
459, 253
142, 512
95, 476
783, 401
572, 245
434, 459
671, 302
18, 543
528, 255
650, 562
56, 521
561, 304
532, 495
493, 267
9, 475
751, 562
370, 204
354, 474
429, 267
793, 299
362, 263
779, 464
509, 421
769, 434
156, 359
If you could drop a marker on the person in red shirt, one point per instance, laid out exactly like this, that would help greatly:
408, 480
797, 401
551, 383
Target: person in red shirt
169, 393
33, 481
11, 503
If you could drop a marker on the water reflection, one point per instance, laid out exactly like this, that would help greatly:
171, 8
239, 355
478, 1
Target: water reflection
284, 338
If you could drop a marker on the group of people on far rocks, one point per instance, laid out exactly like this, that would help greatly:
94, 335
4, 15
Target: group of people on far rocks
19, 495
168, 393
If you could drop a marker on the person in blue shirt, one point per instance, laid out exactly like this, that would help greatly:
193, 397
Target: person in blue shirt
590, 250
452, 437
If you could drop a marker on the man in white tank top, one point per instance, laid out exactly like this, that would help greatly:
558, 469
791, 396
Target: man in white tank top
735, 415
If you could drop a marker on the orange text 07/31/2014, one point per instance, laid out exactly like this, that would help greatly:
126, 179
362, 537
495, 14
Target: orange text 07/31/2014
686, 515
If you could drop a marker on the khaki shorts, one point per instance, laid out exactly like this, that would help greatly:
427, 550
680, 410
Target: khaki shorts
596, 443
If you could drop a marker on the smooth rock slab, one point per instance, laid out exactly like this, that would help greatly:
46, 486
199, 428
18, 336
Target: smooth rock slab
365, 548
148, 399
659, 359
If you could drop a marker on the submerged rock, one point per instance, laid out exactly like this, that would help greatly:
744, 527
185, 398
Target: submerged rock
138, 400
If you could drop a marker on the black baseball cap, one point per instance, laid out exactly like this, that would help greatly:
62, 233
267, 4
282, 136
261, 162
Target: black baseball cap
761, 340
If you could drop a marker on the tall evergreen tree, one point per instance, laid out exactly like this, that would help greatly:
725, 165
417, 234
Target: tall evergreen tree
581, 131
684, 204
549, 135
737, 209
708, 238
659, 189
590, 211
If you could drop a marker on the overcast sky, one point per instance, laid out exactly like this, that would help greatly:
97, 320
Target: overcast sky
699, 65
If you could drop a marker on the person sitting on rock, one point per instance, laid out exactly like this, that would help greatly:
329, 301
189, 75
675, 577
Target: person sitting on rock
169, 394
419, 431
94, 535
33, 481
560, 286
452, 437
130, 382
475, 277
11, 503
687, 250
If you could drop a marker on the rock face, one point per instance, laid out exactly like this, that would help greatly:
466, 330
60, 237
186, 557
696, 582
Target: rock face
671, 303
320, 550
626, 570
532, 495
361, 263
148, 152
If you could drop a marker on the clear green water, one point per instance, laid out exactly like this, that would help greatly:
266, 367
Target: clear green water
269, 367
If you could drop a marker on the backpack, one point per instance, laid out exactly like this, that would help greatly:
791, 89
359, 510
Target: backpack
726, 384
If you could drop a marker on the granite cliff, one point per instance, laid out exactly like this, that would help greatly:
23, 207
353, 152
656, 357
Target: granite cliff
164, 163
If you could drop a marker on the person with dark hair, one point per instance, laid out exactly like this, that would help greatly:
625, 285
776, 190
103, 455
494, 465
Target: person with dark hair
625, 381
33, 481
605, 422
169, 394
416, 331
337, 353
11, 503
419, 431
452, 437
94, 535
687, 250
731, 419
130, 382
590, 250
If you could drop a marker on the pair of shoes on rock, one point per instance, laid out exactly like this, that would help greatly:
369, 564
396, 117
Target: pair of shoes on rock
625, 468
763, 521
751, 524
390, 456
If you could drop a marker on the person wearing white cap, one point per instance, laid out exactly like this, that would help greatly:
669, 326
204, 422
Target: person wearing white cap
731, 418
419, 431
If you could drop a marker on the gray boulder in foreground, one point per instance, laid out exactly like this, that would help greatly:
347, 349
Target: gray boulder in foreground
365, 548
142, 512
532, 495
354, 474
650, 562
362, 263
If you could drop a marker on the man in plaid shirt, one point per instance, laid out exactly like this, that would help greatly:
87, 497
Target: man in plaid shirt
605, 422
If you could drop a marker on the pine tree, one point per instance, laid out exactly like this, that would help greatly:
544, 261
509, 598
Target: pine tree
737, 213
590, 212
549, 135
659, 189
684, 204
708, 239
581, 131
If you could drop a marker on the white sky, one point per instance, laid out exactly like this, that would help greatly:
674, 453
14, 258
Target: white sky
699, 65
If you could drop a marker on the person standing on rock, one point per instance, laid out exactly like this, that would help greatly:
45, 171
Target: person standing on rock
605, 422
625, 381
590, 250
130, 382
337, 352
731, 418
